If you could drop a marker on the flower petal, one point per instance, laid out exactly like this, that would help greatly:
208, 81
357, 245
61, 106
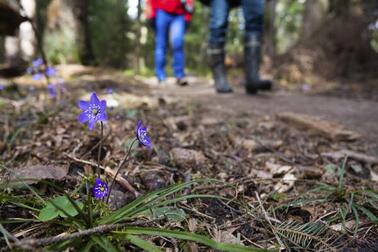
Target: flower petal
94, 99
37, 76
91, 124
84, 105
102, 117
103, 105
83, 117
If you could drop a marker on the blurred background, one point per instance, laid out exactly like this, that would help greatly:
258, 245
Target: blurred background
306, 41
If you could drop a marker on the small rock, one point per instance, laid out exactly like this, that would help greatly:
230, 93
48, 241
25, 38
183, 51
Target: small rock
118, 199
153, 180
186, 158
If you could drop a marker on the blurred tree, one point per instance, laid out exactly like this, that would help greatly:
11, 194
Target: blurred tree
270, 28
313, 16
83, 37
111, 32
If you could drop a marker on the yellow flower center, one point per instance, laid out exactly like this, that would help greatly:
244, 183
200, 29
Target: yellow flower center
95, 111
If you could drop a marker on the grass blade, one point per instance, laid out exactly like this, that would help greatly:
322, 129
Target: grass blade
104, 243
188, 237
143, 244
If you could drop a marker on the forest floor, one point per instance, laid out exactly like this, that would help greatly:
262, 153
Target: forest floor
300, 170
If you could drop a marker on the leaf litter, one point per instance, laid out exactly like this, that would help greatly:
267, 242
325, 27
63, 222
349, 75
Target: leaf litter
287, 167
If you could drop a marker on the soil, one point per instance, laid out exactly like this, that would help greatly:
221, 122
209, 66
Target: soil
269, 168
360, 115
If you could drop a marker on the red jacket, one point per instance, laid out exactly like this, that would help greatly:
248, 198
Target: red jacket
170, 6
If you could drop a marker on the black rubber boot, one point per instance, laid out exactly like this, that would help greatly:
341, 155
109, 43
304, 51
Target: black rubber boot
216, 61
252, 61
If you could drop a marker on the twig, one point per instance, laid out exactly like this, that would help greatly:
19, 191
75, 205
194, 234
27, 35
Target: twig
123, 182
25, 243
121, 164
99, 150
268, 220
96, 145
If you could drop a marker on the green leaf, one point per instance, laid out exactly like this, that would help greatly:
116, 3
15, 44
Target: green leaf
188, 237
143, 203
47, 213
143, 244
59, 206
173, 214
104, 243
368, 213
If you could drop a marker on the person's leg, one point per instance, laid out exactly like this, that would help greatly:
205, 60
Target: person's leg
161, 42
219, 11
218, 28
253, 11
176, 34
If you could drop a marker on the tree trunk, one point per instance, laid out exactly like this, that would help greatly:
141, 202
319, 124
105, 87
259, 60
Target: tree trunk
80, 10
26, 33
137, 63
270, 29
2, 49
313, 16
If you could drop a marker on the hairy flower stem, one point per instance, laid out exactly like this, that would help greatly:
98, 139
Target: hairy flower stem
123, 162
99, 150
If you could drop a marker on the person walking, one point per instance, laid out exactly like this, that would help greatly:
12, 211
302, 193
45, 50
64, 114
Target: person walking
169, 19
253, 11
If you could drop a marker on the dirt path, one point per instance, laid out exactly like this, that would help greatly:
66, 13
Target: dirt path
358, 115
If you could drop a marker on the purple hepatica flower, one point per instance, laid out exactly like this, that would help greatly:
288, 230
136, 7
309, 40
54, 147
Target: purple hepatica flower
37, 62
93, 111
2, 87
37, 76
141, 134
52, 89
50, 71
109, 90
100, 189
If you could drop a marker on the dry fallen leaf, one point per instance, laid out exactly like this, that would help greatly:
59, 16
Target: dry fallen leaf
33, 174
286, 183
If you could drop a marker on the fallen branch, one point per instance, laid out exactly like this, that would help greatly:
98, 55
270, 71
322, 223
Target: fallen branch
123, 182
27, 243
331, 130
337, 155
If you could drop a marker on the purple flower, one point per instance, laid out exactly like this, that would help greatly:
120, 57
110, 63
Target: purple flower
37, 76
109, 90
93, 111
50, 71
141, 134
37, 62
100, 189
2, 87
52, 89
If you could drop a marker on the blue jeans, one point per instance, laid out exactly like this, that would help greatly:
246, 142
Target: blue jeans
169, 28
253, 12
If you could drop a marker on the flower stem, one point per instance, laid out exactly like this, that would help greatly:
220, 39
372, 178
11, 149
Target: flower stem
99, 150
123, 162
